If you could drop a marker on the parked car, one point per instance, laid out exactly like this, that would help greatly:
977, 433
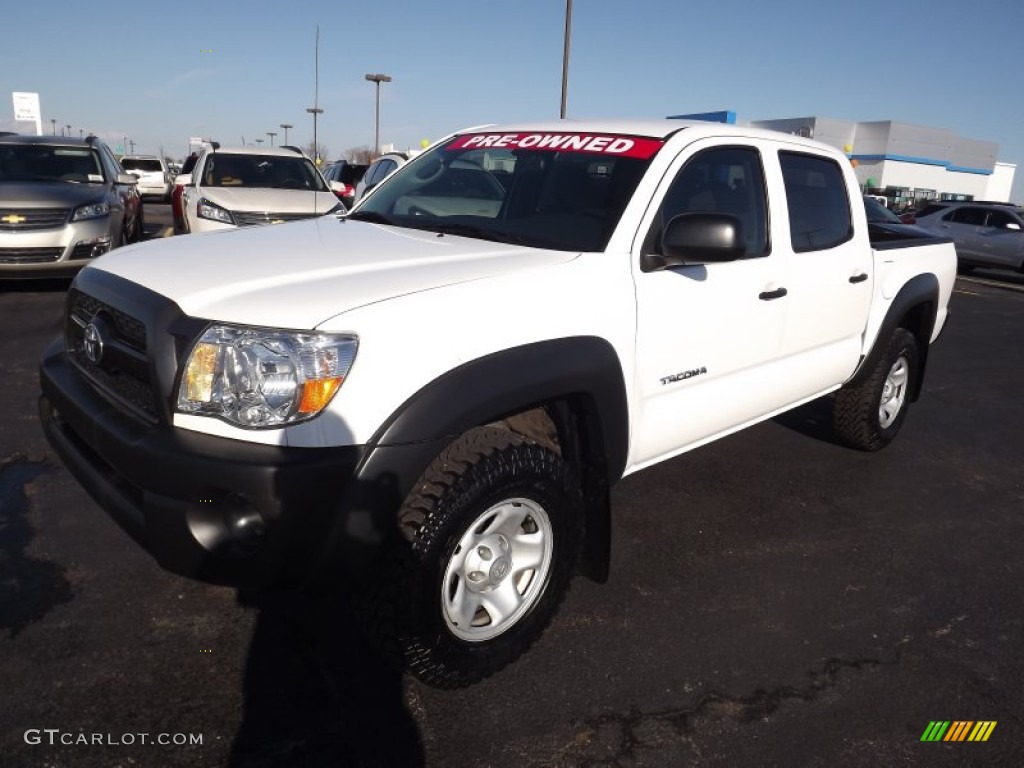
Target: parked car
347, 175
154, 176
243, 186
379, 170
883, 224
63, 202
986, 233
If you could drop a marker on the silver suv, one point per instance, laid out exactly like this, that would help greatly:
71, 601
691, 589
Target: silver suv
63, 201
986, 234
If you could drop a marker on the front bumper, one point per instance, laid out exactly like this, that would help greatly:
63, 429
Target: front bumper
54, 252
210, 508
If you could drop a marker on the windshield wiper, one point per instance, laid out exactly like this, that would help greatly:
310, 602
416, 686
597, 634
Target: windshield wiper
371, 216
468, 230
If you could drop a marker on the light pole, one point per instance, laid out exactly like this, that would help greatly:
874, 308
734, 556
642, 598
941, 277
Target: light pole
315, 109
53, 123
69, 131
565, 56
286, 126
378, 79
271, 134
259, 142
316, 148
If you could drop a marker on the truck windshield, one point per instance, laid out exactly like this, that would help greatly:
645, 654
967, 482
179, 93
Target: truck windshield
560, 191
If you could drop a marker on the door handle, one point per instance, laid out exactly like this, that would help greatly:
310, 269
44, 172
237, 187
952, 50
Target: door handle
778, 293
859, 278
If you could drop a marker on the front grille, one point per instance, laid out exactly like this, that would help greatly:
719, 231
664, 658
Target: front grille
252, 218
121, 371
29, 255
29, 219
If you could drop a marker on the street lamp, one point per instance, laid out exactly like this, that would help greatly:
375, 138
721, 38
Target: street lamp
271, 134
286, 126
378, 79
69, 131
53, 123
259, 142
316, 148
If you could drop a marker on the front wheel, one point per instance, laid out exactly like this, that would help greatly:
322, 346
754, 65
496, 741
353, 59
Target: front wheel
492, 531
869, 414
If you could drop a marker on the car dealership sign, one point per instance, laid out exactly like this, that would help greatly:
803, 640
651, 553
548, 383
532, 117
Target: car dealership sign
26, 107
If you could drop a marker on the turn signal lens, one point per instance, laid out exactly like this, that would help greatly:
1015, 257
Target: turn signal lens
317, 394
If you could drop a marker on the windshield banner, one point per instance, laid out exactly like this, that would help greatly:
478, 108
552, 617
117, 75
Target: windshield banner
593, 143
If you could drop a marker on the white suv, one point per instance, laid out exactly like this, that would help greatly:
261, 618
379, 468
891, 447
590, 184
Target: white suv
242, 186
153, 174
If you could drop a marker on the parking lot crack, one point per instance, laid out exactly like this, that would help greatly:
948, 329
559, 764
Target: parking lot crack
29, 587
624, 735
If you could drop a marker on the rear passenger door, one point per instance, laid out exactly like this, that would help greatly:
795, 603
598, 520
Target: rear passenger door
829, 281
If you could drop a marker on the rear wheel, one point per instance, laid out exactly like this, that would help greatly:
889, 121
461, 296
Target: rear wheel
492, 532
869, 414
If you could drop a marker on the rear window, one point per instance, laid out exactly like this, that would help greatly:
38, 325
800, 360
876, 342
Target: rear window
146, 165
819, 209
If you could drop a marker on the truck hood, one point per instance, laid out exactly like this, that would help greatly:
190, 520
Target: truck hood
299, 275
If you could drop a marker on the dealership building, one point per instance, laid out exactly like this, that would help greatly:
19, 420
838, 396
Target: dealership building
904, 162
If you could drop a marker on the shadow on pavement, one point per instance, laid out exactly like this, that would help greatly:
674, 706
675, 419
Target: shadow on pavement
29, 588
812, 420
316, 693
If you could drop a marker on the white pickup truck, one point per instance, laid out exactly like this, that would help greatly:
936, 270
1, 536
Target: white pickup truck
429, 399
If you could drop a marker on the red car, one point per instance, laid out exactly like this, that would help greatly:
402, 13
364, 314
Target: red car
177, 212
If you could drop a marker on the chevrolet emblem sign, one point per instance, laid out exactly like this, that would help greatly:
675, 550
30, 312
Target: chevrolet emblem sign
12, 218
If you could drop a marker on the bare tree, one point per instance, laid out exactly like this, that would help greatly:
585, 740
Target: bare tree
359, 155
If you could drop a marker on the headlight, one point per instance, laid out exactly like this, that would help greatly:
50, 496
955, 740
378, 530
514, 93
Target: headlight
91, 211
256, 377
207, 210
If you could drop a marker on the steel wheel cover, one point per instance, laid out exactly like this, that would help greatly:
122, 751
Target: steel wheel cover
894, 392
498, 570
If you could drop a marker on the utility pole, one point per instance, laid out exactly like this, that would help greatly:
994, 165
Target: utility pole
565, 56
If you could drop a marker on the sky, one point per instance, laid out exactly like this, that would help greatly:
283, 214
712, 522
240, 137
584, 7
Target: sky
161, 73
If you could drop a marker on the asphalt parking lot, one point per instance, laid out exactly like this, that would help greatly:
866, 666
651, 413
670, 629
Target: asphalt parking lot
775, 600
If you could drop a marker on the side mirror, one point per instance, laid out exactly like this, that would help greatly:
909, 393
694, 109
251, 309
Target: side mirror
183, 179
697, 238
127, 178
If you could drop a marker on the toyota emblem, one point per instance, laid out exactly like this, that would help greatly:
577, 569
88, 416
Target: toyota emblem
92, 344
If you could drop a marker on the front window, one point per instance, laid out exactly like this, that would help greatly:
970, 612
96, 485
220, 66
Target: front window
545, 190
48, 163
261, 171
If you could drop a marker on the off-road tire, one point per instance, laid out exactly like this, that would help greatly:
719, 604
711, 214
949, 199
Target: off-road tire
402, 609
857, 418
